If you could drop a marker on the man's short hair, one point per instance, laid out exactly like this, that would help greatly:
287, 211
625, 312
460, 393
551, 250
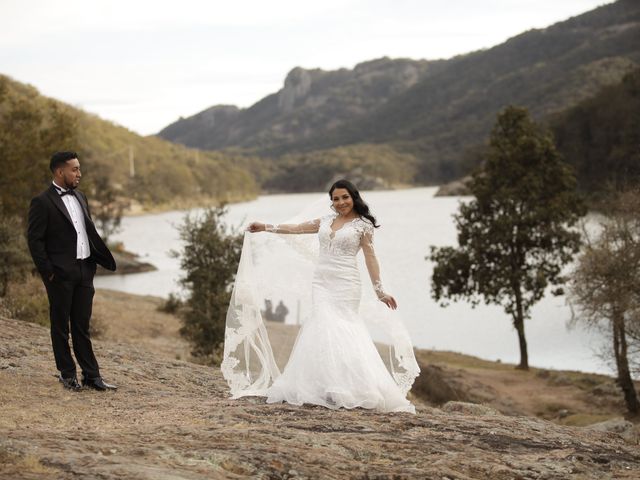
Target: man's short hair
59, 158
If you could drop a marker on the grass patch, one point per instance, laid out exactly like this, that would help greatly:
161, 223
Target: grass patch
552, 409
16, 464
584, 419
27, 301
460, 360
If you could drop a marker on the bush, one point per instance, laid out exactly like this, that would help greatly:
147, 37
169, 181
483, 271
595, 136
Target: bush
172, 305
27, 300
210, 260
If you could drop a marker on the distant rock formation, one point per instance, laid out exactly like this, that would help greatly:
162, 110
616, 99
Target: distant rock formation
361, 179
296, 86
310, 101
455, 188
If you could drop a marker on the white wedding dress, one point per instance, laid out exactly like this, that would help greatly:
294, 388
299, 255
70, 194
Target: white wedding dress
334, 362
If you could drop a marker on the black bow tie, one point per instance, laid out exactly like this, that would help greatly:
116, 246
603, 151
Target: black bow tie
65, 192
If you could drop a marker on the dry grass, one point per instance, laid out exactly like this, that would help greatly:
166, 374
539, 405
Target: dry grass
564, 397
137, 320
15, 464
27, 301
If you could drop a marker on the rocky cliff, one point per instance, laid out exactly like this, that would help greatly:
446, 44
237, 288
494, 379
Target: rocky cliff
311, 101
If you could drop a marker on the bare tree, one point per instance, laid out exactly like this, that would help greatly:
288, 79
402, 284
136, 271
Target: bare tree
606, 287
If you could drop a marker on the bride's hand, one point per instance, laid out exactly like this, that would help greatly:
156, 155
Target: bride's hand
255, 227
389, 301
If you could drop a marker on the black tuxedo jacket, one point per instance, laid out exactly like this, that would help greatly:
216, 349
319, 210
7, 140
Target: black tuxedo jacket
53, 239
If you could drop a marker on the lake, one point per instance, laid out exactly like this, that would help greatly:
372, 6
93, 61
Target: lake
411, 220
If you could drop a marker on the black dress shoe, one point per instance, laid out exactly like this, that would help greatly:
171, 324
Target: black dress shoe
97, 384
70, 383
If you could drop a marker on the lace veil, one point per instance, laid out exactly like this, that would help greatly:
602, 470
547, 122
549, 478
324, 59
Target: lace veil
271, 300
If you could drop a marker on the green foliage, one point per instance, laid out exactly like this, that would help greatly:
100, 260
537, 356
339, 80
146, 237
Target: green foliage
209, 258
107, 203
165, 173
605, 288
15, 261
514, 236
600, 137
361, 163
172, 305
31, 129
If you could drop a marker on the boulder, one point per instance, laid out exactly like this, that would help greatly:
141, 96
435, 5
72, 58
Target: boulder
627, 430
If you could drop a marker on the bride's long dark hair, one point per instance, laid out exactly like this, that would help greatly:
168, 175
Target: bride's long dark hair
359, 204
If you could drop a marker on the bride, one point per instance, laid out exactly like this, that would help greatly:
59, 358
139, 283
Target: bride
334, 362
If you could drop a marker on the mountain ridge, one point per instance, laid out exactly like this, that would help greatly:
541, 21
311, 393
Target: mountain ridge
296, 104
451, 105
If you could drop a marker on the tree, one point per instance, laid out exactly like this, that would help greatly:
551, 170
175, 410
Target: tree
29, 133
600, 137
605, 288
107, 203
515, 235
210, 260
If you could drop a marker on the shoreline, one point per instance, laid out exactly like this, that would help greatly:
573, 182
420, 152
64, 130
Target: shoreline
139, 209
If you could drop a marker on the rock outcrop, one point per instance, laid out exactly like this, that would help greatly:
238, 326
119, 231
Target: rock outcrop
173, 419
311, 101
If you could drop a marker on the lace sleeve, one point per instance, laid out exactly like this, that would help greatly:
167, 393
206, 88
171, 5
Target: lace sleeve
373, 267
311, 226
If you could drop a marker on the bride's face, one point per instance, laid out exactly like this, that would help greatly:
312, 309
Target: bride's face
342, 201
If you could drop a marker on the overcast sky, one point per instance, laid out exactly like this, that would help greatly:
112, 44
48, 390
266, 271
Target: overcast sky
143, 63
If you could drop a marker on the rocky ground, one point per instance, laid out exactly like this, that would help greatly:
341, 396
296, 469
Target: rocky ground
171, 419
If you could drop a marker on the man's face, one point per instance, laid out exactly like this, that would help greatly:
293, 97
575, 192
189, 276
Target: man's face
69, 174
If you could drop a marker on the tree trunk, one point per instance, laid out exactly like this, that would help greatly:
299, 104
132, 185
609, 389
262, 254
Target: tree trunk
518, 322
622, 362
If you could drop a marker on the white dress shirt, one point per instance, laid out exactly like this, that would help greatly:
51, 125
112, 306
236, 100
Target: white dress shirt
77, 217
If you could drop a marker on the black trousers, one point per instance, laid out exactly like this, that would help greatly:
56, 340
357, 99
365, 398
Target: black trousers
70, 303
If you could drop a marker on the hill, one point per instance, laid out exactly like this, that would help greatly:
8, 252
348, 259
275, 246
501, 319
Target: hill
600, 136
173, 419
448, 106
163, 171
544, 70
309, 103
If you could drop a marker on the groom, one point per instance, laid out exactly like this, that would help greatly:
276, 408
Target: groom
66, 247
